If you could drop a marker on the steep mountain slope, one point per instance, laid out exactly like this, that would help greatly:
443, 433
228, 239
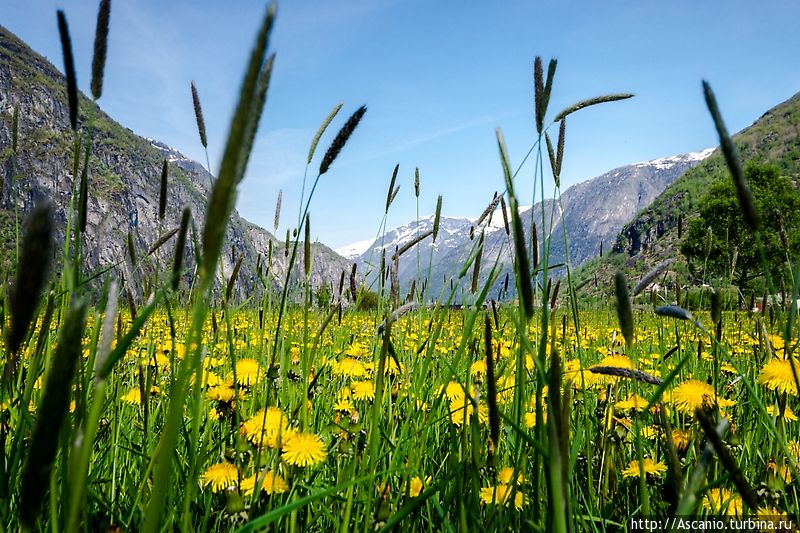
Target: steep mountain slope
774, 138
653, 235
593, 213
124, 177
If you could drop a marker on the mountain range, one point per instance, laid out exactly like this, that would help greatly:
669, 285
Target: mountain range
124, 177
593, 212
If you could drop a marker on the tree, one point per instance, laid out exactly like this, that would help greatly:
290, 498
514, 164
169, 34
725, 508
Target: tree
719, 234
323, 296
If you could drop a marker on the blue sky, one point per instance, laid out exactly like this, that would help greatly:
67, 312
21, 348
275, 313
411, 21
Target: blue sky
438, 78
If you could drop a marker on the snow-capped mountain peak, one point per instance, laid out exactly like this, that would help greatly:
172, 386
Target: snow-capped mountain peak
664, 163
355, 249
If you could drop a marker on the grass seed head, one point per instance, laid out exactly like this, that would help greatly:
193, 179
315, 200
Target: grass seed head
624, 309
278, 210
69, 69
198, 115
100, 48
162, 197
437, 217
743, 193
51, 412
324, 126
180, 245
32, 272
341, 139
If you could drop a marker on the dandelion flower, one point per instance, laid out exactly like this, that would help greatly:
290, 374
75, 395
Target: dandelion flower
272, 483
363, 390
212, 379
777, 375
681, 439
501, 495
344, 405
416, 484
580, 378
615, 360
722, 500
248, 371
219, 476
133, 396
650, 468
781, 472
270, 429
357, 350
304, 449
220, 393
793, 447
632, 402
461, 412
620, 361
454, 391
788, 414
692, 394
505, 474
478, 368
349, 367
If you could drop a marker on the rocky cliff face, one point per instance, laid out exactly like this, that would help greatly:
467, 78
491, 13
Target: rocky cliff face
124, 182
592, 212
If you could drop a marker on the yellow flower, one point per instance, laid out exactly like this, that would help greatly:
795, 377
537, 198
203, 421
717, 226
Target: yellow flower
219, 476
461, 412
304, 449
344, 405
777, 375
454, 391
221, 393
270, 429
478, 368
363, 390
788, 414
782, 472
722, 500
580, 378
357, 350
692, 394
416, 484
272, 484
773, 517
504, 475
133, 396
248, 371
793, 447
633, 401
212, 380
650, 467
349, 367
680, 439
501, 495
616, 360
